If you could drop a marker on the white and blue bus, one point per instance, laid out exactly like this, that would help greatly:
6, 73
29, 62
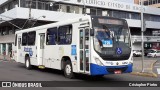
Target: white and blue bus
92, 45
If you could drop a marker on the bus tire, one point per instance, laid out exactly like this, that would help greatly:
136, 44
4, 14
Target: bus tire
27, 63
68, 71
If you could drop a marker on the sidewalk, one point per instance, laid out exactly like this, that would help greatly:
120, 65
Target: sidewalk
7, 57
148, 68
137, 65
156, 68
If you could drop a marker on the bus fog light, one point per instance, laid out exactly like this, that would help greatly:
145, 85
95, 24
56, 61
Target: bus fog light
98, 62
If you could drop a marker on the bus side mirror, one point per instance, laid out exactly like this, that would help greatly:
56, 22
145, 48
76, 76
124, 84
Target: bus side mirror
91, 32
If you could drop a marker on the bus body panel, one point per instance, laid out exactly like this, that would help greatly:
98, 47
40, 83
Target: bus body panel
51, 56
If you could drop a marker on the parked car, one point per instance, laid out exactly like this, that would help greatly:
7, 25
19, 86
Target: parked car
137, 53
147, 51
154, 53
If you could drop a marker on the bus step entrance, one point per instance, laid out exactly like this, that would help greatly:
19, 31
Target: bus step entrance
41, 66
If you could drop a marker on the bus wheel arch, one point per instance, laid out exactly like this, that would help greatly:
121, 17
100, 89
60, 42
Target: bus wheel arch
63, 61
66, 66
27, 62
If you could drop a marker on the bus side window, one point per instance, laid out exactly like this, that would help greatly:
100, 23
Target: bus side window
31, 38
24, 39
51, 38
15, 43
65, 34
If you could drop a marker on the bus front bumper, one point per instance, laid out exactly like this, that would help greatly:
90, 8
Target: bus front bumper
104, 70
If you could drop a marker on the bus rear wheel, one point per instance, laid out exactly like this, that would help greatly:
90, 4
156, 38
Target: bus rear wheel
27, 63
68, 71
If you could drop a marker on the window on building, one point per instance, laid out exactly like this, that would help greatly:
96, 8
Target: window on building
154, 1
145, 2
24, 39
23, 3
81, 10
99, 12
63, 8
135, 16
124, 15
51, 38
150, 2
40, 5
31, 38
55, 7
47, 6
116, 14
65, 34
93, 11
68, 9
77, 9
34, 4
72, 9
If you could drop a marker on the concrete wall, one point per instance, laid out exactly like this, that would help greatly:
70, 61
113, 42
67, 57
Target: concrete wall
7, 38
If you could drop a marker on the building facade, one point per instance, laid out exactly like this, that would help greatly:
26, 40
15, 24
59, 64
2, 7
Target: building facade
20, 14
152, 3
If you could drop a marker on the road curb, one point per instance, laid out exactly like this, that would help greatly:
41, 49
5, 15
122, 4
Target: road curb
147, 74
152, 66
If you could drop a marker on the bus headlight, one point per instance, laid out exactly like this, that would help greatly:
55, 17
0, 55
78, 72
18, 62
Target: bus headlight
98, 62
131, 61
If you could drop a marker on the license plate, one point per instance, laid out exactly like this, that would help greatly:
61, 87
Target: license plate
117, 72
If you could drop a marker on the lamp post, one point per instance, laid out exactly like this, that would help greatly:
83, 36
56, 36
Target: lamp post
142, 35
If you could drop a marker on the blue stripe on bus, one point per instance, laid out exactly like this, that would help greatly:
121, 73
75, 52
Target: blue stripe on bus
102, 70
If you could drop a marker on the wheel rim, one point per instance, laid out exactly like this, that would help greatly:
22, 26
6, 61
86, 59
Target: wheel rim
68, 69
27, 63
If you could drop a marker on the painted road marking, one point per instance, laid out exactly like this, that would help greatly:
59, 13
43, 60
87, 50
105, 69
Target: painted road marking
158, 70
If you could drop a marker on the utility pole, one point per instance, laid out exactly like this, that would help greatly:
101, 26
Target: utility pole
142, 35
30, 7
84, 7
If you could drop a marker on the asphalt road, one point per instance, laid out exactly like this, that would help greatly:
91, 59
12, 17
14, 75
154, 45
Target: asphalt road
146, 58
12, 71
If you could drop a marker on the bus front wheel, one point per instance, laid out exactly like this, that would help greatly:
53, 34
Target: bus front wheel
68, 71
27, 63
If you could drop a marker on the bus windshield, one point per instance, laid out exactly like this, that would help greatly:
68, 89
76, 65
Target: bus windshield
109, 36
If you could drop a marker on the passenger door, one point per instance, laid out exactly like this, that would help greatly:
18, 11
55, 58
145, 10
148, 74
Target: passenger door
84, 50
40, 49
